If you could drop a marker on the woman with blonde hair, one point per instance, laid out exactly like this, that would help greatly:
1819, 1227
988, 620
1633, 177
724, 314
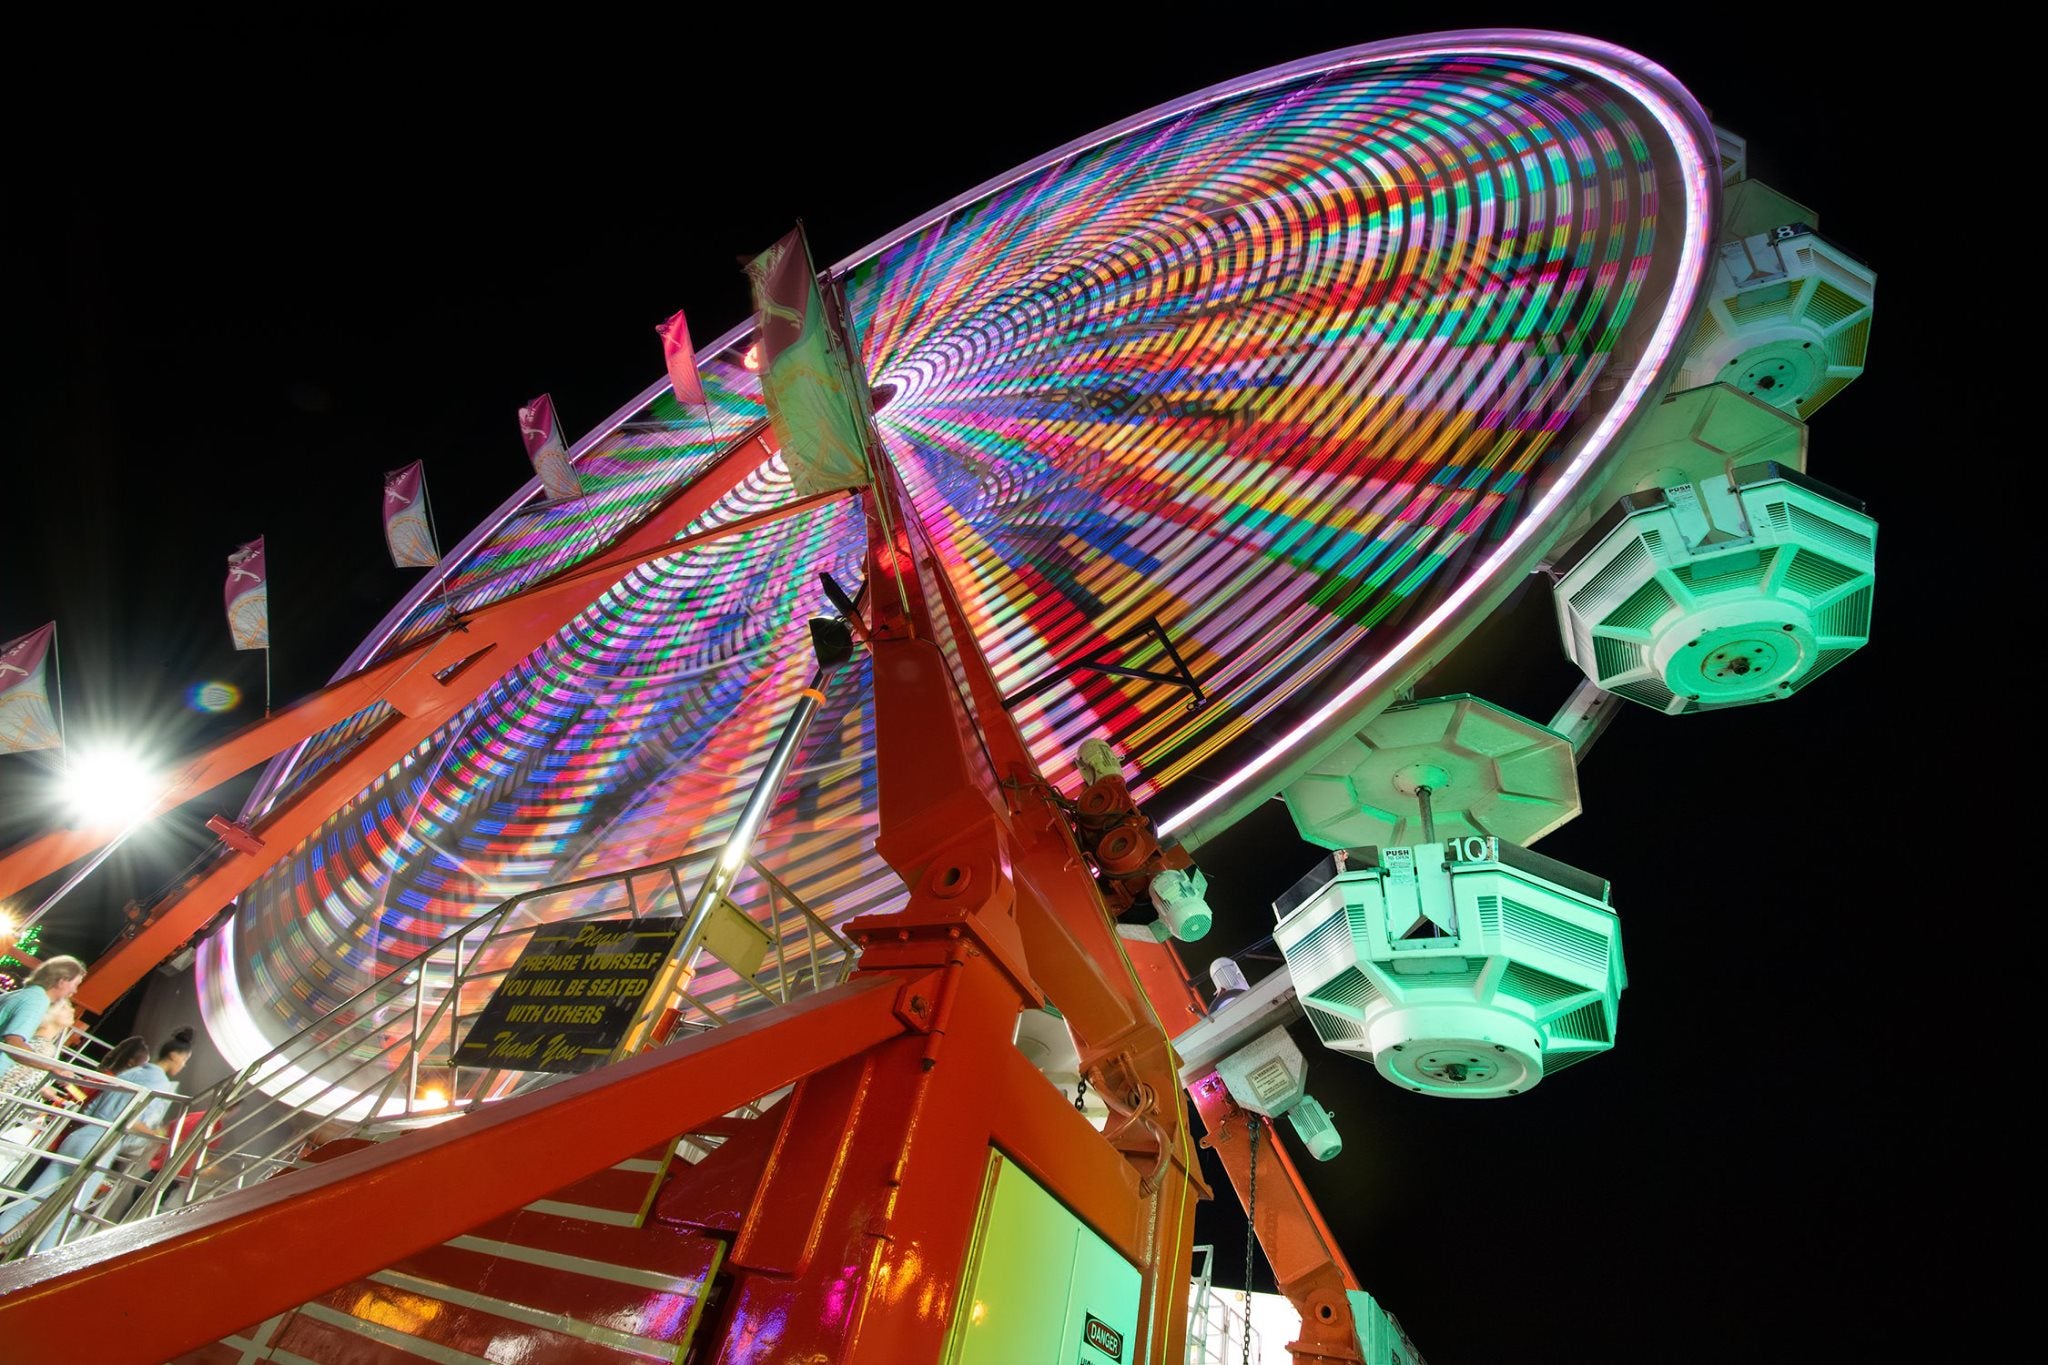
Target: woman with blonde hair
22, 1011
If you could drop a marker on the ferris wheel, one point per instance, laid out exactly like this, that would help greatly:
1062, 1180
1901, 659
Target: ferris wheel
1306, 370
1224, 425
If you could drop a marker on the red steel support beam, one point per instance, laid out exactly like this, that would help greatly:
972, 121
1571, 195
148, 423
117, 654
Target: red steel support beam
948, 754
275, 1245
36, 858
935, 1168
406, 679
1165, 981
1307, 1265
853, 1240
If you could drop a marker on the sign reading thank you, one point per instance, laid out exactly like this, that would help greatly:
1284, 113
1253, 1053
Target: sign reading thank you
567, 1001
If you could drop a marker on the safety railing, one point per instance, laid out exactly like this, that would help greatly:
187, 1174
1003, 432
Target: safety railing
1216, 1330
68, 1171
386, 1058
83, 1048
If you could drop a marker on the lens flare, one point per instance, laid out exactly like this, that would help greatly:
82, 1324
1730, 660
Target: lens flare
214, 697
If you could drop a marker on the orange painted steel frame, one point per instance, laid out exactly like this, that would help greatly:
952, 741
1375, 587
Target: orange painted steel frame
851, 1233
245, 1256
1307, 1265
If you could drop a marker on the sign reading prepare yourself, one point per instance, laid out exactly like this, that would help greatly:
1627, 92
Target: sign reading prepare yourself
569, 999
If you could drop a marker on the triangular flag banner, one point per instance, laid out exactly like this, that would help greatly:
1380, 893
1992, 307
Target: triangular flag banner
25, 719
248, 597
806, 378
406, 528
682, 362
543, 437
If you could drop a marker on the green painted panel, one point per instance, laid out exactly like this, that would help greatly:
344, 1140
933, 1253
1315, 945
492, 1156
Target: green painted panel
1102, 1310
1036, 1278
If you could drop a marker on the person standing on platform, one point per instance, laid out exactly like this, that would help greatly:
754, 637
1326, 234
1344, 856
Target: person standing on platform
21, 1079
109, 1104
22, 1127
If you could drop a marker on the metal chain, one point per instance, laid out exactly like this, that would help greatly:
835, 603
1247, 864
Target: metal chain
1251, 1230
1080, 1095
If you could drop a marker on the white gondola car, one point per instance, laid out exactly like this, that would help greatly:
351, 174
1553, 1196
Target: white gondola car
1469, 968
1741, 588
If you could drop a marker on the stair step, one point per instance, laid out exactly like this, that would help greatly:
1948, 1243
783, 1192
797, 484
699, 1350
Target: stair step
590, 1287
231, 1351
655, 1251
454, 1322
619, 1196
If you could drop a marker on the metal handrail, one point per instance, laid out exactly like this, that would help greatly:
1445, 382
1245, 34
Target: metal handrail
309, 1089
61, 1201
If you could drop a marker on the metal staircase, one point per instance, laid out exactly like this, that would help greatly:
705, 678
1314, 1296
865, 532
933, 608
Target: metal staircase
585, 1276
383, 1062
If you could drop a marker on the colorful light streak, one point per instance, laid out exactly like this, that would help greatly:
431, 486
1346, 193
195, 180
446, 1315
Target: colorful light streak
1305, 366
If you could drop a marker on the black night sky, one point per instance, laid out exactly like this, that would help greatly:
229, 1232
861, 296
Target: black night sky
244, 286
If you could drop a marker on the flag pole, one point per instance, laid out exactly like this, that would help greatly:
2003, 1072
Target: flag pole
268, 633
427, 497
710, 419
57, 672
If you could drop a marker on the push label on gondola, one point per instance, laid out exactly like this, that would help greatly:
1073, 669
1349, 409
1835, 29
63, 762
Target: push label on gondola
570, 997
1104, 1338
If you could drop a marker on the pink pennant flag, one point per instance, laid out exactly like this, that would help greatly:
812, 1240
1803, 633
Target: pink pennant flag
682, 362
248, 597
407, 531
543, 436
25, 719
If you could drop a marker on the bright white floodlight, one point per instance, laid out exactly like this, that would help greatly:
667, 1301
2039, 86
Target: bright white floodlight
109, 786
